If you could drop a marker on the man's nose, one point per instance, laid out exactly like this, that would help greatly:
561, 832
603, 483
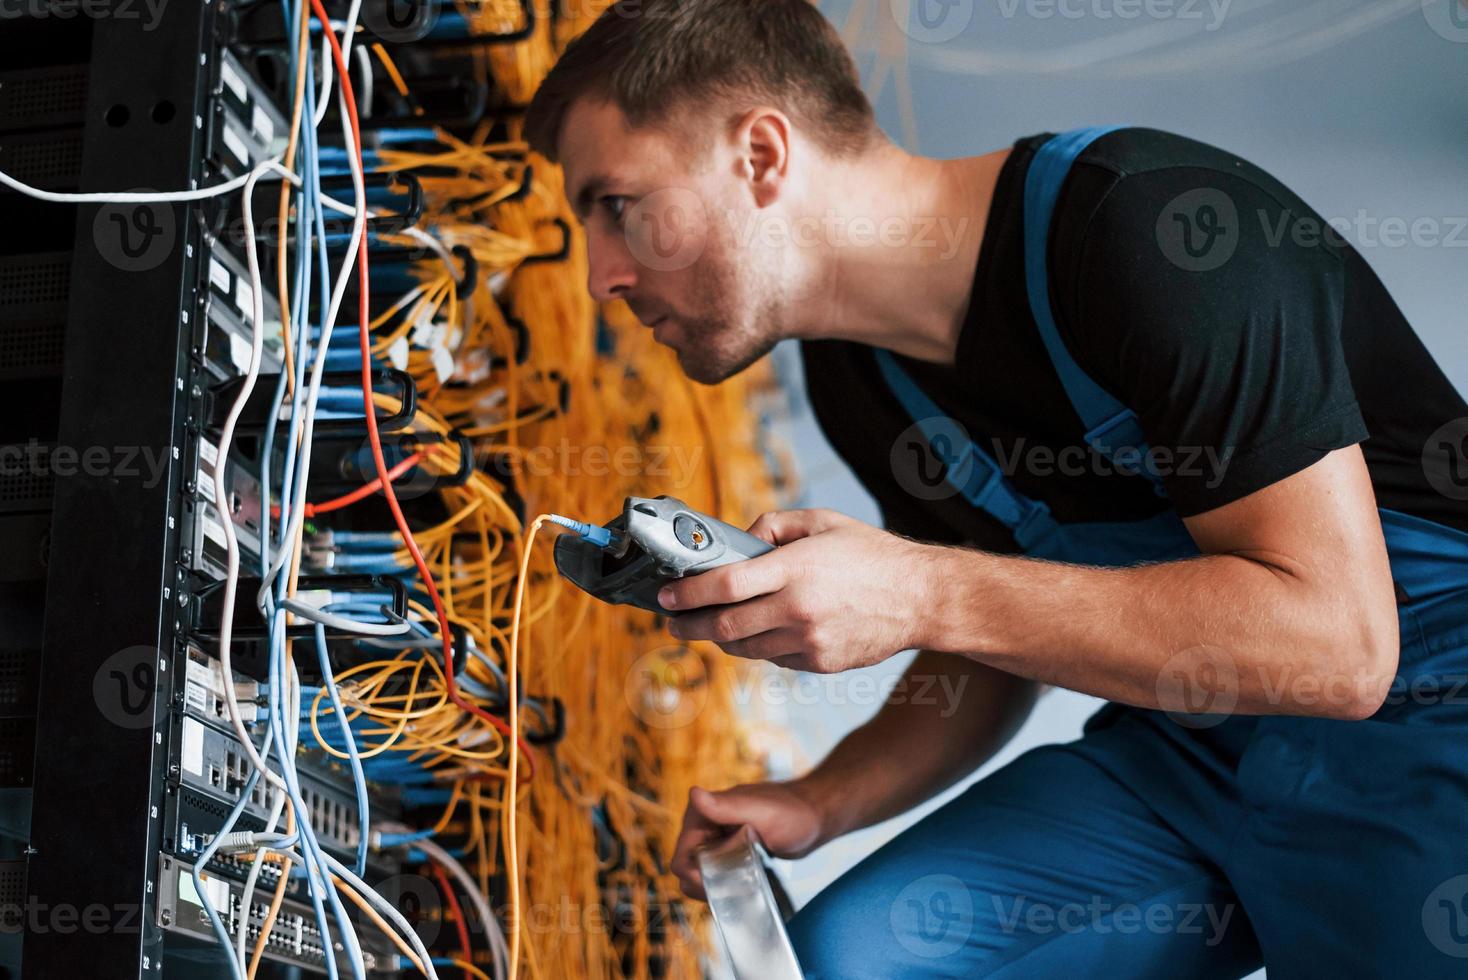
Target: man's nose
612, 271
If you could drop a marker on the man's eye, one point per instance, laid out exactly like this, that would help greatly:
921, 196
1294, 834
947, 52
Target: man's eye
616, 205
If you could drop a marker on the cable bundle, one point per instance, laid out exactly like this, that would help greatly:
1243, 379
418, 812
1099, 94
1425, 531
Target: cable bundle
544, 743
593, 412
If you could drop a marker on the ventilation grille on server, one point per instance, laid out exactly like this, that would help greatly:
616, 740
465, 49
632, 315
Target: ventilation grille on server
33, 295
51, 161
204, 804
31, 347
34, 280
27, 479
12, 895
42, 99
17, 682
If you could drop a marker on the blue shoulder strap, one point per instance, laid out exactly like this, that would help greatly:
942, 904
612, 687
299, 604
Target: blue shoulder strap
1111, 427
972, 472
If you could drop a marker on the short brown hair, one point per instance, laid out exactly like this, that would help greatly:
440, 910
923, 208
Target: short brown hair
651, 58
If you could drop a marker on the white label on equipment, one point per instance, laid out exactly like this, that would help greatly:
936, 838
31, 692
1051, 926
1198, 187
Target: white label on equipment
232, 78
216, 889
208, 457
192, 751
196, 693
214, 531
240, 350
206, 486
219, 276
244, 298
263, 125
236, 145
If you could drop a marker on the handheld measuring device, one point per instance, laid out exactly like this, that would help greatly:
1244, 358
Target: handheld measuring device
654, 541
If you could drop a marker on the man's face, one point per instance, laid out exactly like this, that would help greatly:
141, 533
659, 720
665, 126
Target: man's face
664, 226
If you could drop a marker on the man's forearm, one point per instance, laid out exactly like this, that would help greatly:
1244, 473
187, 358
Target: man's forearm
1252, 633
948, 717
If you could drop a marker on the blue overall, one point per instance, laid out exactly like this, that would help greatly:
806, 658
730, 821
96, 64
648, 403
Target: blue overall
1172, 846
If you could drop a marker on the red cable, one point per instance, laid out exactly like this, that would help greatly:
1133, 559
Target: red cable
374, 440
458, 911
366, 489
346, 499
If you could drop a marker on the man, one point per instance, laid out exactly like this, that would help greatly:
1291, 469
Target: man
1148, 430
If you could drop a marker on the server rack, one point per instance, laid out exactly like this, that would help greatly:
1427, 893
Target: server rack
108, 357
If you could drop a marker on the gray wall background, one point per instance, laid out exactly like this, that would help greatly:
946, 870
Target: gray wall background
1361, 106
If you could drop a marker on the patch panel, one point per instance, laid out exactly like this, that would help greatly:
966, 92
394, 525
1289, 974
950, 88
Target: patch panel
210, 760
293, 938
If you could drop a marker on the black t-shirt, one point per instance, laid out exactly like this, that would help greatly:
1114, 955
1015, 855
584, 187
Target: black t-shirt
1247, 336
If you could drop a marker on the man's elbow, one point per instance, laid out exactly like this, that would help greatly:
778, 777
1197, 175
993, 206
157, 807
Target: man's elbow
1366, 654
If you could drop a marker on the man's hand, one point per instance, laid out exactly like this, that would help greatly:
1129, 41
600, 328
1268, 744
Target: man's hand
787, 822
837, 594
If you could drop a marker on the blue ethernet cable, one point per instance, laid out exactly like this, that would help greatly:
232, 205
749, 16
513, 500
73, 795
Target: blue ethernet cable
309, 204
359, 781
207, 855
320, 884
296, 474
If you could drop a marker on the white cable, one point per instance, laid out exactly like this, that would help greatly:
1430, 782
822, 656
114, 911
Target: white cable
364, 87
349, 261
497, 945
148, 197
248, 896
307, 611
348, 34
435, 246
350, 940
387, 909
232, 544
248, 840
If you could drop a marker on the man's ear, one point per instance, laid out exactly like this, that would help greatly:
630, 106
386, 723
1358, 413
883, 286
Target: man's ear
762, 145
